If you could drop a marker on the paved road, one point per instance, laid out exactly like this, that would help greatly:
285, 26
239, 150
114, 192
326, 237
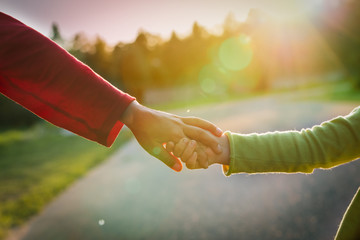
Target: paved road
133, 196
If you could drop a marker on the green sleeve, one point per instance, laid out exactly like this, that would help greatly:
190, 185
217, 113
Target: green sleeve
332, 143
350, 224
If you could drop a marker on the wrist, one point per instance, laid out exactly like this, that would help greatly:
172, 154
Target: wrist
224, 158
131, 113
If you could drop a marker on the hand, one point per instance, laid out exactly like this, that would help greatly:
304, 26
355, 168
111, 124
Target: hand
196, 155
153, 129
190, 152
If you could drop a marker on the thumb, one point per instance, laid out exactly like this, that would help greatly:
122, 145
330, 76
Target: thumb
204, 124
169, 159
204, 137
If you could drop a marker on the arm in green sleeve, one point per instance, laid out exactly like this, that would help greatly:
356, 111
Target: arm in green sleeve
350, 224
332, 143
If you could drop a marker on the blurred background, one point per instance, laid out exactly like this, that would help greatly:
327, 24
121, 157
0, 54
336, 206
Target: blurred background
175, 56
180, 52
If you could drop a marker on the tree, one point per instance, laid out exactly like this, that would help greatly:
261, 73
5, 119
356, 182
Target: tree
80, 47
135, 67
340, 28
55, 34
230, 25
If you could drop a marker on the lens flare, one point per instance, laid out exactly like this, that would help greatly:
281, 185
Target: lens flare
236, 53
101, 222
208, 85
206, 79
156, 150
212, 80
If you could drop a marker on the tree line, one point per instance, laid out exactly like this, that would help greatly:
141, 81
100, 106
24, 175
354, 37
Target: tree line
253, 55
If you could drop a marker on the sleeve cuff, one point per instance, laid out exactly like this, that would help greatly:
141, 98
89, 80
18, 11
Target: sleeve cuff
228, 169
115, 124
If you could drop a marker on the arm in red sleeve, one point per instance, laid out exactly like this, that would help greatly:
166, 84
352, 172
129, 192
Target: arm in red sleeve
44, 78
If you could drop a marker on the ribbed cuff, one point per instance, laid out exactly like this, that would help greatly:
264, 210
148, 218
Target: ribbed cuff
228, 169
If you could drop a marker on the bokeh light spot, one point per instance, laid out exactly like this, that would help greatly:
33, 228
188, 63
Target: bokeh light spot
101, 222
207, 79
208, 85
156, 150
236, 53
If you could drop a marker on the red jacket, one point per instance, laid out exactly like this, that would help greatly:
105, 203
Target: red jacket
44, 78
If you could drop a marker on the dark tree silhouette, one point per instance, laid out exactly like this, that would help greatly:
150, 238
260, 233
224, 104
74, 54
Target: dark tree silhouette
340, 27
55, 34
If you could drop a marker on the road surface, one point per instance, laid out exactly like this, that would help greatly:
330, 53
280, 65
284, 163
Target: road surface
134, 196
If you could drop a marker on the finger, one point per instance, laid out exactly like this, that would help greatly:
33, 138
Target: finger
170, 160
190, 164
204, 137
189, 150
180, 147
203, 160
201, 123
170, 147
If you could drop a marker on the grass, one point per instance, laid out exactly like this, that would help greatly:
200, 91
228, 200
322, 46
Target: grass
338, 91
343, 91
37, 164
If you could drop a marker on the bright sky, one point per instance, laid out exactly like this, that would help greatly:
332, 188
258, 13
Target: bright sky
120, 20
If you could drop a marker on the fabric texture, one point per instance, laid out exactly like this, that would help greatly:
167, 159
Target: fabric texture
330, 144
44, 78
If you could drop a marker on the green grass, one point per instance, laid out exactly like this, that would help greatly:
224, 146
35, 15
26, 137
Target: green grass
37, 164
343, 91
338, 91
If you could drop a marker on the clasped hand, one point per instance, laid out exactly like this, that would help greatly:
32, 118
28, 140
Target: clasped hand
197, 142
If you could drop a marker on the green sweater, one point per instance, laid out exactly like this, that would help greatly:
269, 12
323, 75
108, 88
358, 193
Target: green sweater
332, 143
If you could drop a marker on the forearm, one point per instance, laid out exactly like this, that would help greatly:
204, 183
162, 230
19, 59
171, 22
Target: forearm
44, 78
330, 144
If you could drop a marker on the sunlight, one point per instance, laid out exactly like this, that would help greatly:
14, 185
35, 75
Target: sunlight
206, 79
208, 85
211, 80
236, 53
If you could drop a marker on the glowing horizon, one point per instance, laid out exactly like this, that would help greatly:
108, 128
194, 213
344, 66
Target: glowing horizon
120, 21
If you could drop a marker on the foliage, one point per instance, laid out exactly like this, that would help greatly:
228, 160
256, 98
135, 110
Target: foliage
39, 163
339, 25
14, 115
273, 50
55, 35
273, 53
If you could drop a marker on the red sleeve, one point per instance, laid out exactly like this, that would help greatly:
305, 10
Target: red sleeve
44, 78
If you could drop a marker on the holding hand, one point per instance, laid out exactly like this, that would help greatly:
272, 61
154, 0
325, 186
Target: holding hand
153, 129
197, 155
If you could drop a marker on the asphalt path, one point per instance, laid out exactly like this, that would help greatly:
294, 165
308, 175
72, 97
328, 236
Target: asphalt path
134, 196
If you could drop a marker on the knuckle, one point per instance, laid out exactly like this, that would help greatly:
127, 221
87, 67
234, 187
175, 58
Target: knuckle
177, 151
185, 157
203, 135
190, 165
176, 135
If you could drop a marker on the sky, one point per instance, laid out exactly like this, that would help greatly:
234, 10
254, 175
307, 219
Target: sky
120, 20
